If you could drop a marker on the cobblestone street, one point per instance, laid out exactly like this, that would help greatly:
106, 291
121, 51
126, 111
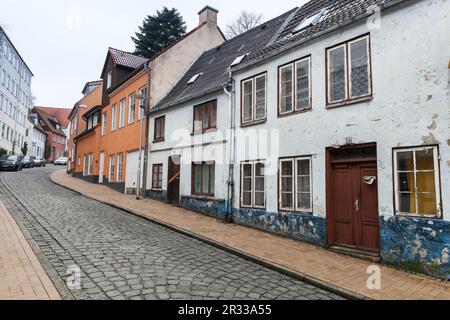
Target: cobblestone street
125, 257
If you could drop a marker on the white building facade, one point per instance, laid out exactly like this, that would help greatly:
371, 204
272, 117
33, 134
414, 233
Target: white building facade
335, 134
15, 96
361, 117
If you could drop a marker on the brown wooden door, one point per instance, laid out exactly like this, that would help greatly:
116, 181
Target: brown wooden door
353, 202
173, 183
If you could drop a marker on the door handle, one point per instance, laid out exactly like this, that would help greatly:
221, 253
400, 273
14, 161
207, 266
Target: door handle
357, 205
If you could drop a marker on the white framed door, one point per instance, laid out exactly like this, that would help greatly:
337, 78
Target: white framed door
101, 170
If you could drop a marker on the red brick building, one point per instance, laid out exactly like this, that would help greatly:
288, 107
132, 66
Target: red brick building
55, 121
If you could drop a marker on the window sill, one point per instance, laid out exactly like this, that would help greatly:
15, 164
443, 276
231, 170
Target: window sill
253, 123
253, 208
283, 115
413, 216
287, 211
205, 198
199, 133
349, 102
158, 140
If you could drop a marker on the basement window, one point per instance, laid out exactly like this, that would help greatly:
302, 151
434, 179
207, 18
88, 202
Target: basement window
195, 78
311, 20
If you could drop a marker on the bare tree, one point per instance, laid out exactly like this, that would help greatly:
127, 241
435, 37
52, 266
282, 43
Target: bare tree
246, 21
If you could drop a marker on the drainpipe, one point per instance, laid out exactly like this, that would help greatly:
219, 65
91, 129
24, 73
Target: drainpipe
147, 129
230, 183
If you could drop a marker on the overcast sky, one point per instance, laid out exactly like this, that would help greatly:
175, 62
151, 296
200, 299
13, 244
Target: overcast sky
64, 52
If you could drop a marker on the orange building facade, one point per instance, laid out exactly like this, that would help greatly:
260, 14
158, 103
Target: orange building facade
115, 122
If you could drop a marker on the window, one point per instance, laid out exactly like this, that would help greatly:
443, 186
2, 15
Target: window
114, 118
122, 113
109, 80
143, 94
90, 162
203, 178
132, 109
295, 184
253, 194
119, 167
104, 123
111, 168
157, 176
294, 87
238, 60
253, 99
417, 182
349, 74
194, 78
311, 20
160, 124
85, 165
205, 116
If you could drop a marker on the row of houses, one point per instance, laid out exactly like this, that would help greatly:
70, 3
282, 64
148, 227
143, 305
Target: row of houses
23, 128
328, 124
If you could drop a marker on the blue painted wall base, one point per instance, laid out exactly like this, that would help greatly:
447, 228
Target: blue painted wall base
210, 207
421, 245
300, 226
158, 195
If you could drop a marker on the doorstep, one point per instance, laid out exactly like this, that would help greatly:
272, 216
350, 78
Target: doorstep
330, 270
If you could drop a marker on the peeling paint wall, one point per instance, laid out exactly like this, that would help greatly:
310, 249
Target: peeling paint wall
213, 208
304, 227
410, 107
423, 241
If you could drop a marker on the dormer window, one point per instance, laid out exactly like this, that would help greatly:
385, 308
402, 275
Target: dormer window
311, 20
109, 80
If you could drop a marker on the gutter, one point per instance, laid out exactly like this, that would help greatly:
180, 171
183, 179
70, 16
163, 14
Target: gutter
184, 100
289, 46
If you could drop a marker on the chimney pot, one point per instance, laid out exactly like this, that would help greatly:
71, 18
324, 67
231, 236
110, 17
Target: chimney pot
209, 15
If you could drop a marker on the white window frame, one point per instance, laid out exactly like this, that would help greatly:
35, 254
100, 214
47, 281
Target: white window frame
253, 191
329, 102
348, 71
294, 206
253, 80
122, 112
369, 71
114, 118
109, 80
112, 164
436, 179
141, 113
85, 165
104, 123
119, 171
293, 65
131, 119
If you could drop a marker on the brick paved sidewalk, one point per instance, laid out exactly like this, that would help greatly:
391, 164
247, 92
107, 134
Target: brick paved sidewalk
326, 267
21, 275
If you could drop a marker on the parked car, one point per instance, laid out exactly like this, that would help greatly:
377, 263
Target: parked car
40, 162
28, 162
61, 161
11, 163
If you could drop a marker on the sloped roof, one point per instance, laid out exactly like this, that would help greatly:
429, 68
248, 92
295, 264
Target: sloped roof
126, 59
61, 114
214, 64
338, 13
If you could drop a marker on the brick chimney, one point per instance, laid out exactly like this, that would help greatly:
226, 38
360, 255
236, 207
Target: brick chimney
208, 15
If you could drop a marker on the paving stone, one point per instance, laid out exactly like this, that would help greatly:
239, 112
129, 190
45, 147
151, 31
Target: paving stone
131, 258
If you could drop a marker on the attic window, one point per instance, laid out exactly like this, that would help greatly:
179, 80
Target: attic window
194, 78
238, 60
311, 20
